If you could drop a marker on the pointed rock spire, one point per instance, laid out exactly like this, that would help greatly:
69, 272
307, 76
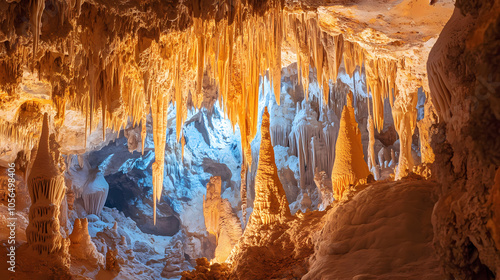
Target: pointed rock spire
270, 203
350, 168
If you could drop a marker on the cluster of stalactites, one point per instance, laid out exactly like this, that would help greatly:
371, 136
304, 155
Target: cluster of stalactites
381, 82
314, 48
145, 72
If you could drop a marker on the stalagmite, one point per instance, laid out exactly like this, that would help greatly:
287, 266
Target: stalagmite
220, 220
47, 189
82, 246
404, 113
243, 191
211, 205
112, 261
350, 168
270, 204
372, 164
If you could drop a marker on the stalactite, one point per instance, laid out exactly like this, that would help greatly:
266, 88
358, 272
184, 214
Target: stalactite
160, 118
381, 82
37, 7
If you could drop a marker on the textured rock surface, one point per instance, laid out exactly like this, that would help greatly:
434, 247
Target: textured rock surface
362, 238
88, 184
464, 88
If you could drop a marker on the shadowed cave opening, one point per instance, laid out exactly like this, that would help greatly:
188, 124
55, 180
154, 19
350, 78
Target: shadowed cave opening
126, 196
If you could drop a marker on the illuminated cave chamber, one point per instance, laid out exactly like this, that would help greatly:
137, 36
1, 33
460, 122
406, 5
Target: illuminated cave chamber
251, 139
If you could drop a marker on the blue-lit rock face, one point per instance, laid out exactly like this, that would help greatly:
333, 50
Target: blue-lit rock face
212, 148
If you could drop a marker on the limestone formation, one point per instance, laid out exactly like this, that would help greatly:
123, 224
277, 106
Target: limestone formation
220, 220
81, 245
372, 163
175, 261
111, 260
88, 184
243, 191
494, 204
324, 185
211, 205
350, 168
101, 66
404, 113
114, 66
47, 189
270, 204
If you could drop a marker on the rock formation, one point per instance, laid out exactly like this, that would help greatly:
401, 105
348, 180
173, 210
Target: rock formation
111, 260
270, 204
464, 85
494, 204
212, 205
404, 113
361, 239
175, 263
88, 184
220, 220
324, 185
47, 189
350, 168
372, 163
81, 245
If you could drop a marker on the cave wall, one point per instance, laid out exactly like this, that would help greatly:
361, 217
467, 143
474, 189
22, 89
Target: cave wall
464, 86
